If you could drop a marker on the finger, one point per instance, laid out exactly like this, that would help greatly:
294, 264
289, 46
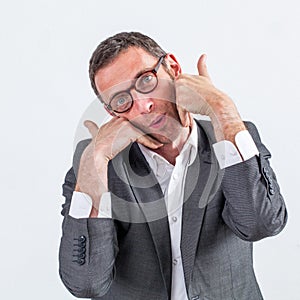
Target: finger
92, 127
190, 119
202, 68
183, 116
149, 142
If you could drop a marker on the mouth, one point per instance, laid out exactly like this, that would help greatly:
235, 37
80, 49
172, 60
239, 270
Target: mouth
158, 122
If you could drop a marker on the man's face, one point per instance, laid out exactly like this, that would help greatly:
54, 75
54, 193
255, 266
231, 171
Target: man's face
155, 113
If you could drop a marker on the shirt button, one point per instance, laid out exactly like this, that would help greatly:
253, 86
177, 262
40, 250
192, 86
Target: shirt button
174, 219
175, 261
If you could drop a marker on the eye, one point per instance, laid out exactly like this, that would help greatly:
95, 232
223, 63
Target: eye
121, 102
146, 83
147, 78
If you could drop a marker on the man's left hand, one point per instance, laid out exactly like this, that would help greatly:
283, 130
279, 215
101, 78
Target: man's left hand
196, 94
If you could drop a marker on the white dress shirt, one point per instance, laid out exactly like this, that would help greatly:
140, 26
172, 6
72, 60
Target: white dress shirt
172, 180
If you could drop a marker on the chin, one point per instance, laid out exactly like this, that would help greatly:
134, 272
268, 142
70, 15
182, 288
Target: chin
165, 138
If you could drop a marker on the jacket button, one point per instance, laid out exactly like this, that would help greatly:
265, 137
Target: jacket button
81, 261
81, 255
81, 250
82, 245
82, 239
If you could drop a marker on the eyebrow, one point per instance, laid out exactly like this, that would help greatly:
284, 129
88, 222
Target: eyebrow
142, 72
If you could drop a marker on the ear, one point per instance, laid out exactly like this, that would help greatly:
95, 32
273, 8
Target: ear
173, 65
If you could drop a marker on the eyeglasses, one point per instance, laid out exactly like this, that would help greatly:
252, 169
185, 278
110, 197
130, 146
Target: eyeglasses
144, 84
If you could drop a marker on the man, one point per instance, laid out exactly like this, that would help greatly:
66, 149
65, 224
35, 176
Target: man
165, 206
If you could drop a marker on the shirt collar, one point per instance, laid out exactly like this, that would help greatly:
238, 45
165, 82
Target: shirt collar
190, 148
192, 143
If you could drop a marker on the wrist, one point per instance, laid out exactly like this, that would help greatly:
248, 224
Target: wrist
227, 122
229, 130
93, 184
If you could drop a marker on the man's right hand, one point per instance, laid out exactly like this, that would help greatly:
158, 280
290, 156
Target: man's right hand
107, 141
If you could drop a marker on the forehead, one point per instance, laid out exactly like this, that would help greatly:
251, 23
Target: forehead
124, 68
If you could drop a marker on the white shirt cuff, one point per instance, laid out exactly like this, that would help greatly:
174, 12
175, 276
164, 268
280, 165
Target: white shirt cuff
228, 155
81, 205
246, 145
105, 206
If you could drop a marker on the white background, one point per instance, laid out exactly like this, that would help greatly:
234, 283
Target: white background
253, 55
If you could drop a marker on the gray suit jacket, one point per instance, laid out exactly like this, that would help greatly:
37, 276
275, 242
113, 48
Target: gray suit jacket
129, 256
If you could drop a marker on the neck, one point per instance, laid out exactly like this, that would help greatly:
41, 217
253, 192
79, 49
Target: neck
171, 150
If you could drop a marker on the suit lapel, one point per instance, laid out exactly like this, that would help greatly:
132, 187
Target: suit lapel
150, 198
200, 185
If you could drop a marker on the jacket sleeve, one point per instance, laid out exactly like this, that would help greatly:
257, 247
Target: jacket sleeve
254, 207
88, 246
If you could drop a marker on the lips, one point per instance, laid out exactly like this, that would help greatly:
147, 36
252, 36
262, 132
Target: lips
158, 122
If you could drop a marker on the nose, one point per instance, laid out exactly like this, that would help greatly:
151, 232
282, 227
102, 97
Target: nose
144, 103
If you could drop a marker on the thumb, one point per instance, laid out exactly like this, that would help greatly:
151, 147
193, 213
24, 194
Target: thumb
183, 116
202, 68
92, 127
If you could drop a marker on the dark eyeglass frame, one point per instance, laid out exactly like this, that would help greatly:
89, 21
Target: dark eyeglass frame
133, 86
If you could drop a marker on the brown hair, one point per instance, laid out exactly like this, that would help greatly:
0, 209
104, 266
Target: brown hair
110, 48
